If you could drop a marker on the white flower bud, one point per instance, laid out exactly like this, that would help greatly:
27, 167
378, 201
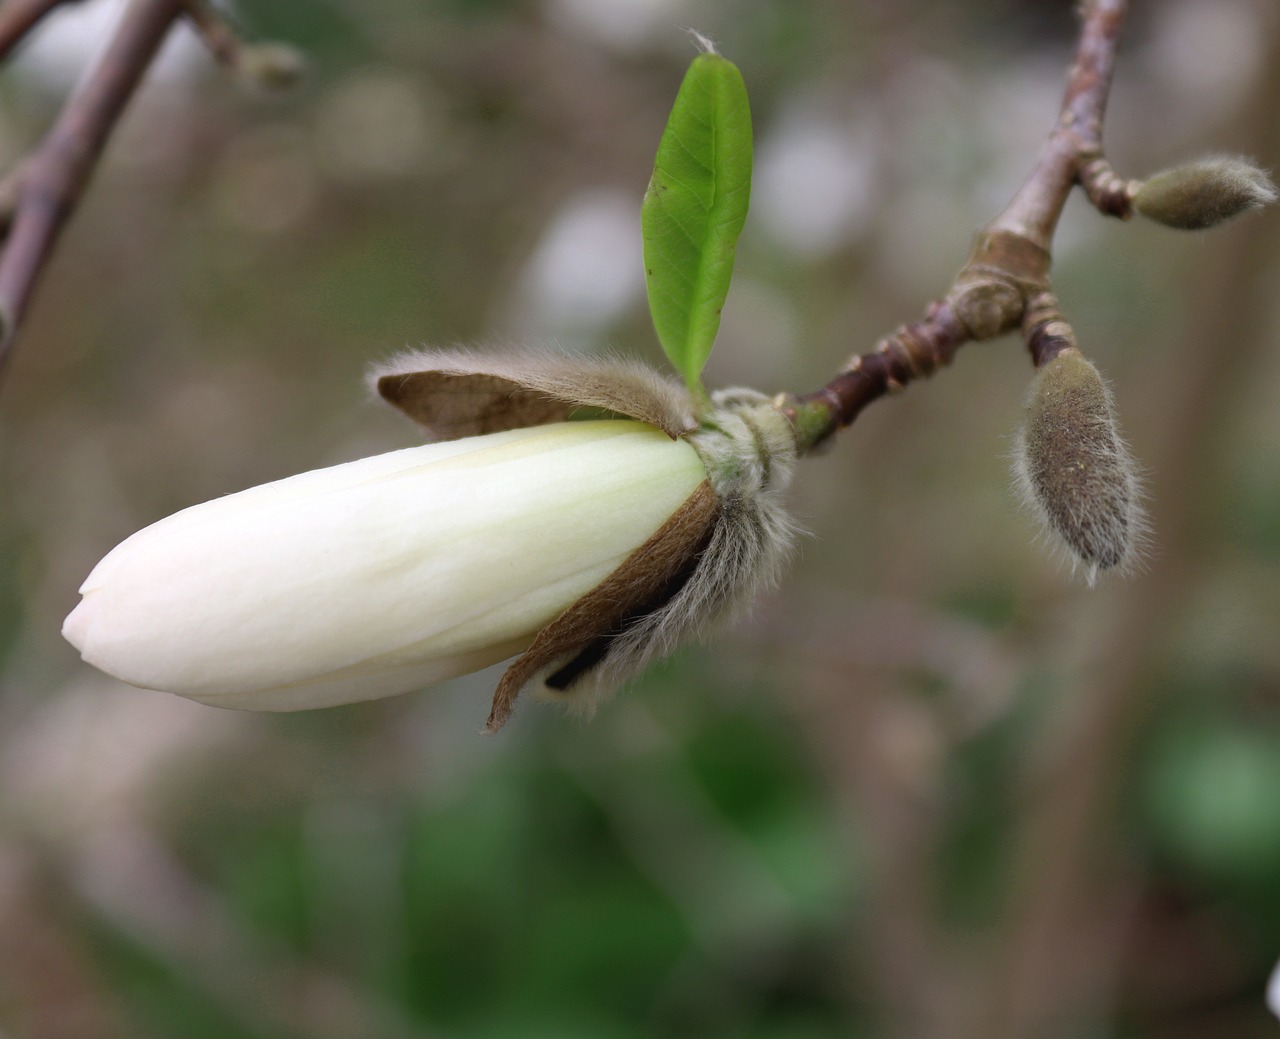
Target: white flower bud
384, 575
589, 548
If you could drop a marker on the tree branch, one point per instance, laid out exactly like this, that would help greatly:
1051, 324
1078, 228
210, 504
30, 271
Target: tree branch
1009, 265
55, 175
39, 194
1066, 837
19, 17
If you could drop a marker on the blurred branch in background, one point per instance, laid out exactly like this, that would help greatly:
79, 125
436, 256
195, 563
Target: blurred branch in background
41, 191
54, 176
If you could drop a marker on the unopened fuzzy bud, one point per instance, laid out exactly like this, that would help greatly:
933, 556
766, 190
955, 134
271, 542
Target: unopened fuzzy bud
589, 548
271, 66
1204, 193
1073, 468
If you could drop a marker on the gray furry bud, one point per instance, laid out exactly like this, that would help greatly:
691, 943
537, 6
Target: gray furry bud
1074, 470
1204, 193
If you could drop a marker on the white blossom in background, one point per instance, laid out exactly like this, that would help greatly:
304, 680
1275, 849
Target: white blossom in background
624, 24
586, 272
813, 188
376, 126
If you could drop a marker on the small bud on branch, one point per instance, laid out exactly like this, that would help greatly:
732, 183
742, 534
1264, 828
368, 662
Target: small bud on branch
271, 66
1204, 193
1072, 467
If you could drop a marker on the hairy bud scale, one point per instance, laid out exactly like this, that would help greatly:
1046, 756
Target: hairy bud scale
1204, 193
1073, 468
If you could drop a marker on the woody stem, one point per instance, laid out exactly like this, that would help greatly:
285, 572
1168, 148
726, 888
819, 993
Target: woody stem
1009, 266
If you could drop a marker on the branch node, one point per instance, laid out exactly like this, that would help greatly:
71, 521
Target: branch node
988, 302
1045, 329
1110, 193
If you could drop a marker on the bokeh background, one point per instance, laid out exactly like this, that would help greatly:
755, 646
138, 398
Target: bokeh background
935, 787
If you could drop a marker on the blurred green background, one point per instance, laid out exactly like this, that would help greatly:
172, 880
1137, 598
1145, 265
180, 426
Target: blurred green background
934, 787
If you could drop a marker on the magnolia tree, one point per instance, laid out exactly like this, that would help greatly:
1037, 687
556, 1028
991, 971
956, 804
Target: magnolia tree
585, 515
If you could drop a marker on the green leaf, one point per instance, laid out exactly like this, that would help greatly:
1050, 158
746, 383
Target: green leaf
694, 211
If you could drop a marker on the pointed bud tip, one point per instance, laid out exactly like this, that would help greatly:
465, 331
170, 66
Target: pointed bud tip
75, 629
1204, 193
1073, 469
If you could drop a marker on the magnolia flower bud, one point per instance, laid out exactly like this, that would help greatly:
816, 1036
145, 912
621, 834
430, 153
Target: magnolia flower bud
586, 547
380, 575
1204, 193
1073, 468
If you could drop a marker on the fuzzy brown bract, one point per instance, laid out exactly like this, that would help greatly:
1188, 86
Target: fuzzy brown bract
457, 393
728, 541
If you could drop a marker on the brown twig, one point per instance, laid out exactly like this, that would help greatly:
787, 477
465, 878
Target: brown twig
57, 172
219, 36
19, 17
1009, 266
10, 185
271, 66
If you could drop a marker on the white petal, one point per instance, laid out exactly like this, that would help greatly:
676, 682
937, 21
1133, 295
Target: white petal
1273, 991
383, 575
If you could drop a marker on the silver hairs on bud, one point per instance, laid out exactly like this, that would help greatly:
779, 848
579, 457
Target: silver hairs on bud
1204, 193
1074, 470
726, 543
749, 450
